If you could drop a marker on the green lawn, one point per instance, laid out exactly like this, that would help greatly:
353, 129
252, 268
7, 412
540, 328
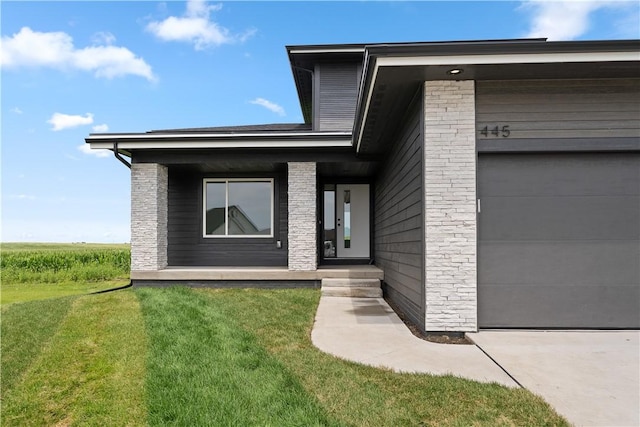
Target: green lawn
23, 292
192, 357
88, 369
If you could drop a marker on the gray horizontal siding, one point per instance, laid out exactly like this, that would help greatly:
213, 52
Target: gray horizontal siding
187, 247
398, 219
337, 96
559, 109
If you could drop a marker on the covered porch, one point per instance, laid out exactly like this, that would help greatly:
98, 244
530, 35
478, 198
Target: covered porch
337, 280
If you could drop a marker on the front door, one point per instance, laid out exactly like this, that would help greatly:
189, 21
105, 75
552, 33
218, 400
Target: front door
346, 221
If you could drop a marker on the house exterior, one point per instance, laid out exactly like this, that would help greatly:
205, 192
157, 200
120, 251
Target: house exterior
496, 184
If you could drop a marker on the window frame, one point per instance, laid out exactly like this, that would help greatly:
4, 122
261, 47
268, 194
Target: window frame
226, 181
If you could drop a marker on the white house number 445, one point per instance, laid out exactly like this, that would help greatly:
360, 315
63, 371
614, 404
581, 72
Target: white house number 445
496, 131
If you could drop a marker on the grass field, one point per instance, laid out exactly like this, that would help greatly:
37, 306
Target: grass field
32, 271
181, 356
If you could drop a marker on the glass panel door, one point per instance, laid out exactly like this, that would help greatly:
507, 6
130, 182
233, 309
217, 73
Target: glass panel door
329, 221
352, 221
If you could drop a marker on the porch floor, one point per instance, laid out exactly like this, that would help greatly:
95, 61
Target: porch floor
260, 273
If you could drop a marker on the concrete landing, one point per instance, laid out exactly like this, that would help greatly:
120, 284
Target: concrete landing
178, 273
348, 287
367, 330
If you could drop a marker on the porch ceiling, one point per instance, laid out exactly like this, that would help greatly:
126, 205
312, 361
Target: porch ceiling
335, 162
359, 169
231, 167
333, 169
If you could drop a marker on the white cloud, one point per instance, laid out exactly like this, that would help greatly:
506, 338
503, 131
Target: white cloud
564, 20
16, 110
103, 37
271, 106
98, 153
100, 128
196, 27
65, 121
29, 48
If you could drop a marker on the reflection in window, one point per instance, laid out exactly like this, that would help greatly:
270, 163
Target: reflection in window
238, 208
216, 202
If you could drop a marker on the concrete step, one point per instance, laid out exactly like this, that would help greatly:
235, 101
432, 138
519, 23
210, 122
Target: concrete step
347, 282
352, 291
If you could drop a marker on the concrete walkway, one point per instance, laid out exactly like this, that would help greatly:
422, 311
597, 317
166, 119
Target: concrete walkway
367, 330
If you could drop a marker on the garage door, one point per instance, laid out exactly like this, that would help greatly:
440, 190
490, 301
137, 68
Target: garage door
559, 240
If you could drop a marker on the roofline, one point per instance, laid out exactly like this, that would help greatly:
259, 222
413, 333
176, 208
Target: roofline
361, 47
231, 140
501, 46
531, 52
326, 48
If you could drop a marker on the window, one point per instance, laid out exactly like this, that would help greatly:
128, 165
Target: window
238, 208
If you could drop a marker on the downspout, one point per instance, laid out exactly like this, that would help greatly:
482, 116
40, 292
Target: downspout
119, 157
104, 291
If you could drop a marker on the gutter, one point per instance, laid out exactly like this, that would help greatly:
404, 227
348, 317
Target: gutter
128, 142
157, 136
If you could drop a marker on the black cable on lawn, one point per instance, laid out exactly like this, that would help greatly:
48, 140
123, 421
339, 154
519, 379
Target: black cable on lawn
104, 291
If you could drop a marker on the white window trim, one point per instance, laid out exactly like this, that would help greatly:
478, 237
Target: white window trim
226, 209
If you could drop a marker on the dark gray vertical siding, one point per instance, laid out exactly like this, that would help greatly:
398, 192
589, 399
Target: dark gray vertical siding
543, 109
187, 247
398, 218
337, 94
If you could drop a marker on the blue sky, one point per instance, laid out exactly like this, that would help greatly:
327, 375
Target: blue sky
72, 68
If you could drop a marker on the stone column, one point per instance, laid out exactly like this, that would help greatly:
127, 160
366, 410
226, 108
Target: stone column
149, 193
302, 216
450, 206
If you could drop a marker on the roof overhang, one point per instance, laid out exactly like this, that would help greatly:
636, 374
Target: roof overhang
393, 74
288, 140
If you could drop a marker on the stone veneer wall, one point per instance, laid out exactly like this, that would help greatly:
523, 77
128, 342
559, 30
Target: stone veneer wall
302, 235
450, 206
149, 194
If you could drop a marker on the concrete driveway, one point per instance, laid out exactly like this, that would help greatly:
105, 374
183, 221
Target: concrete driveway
591, 378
